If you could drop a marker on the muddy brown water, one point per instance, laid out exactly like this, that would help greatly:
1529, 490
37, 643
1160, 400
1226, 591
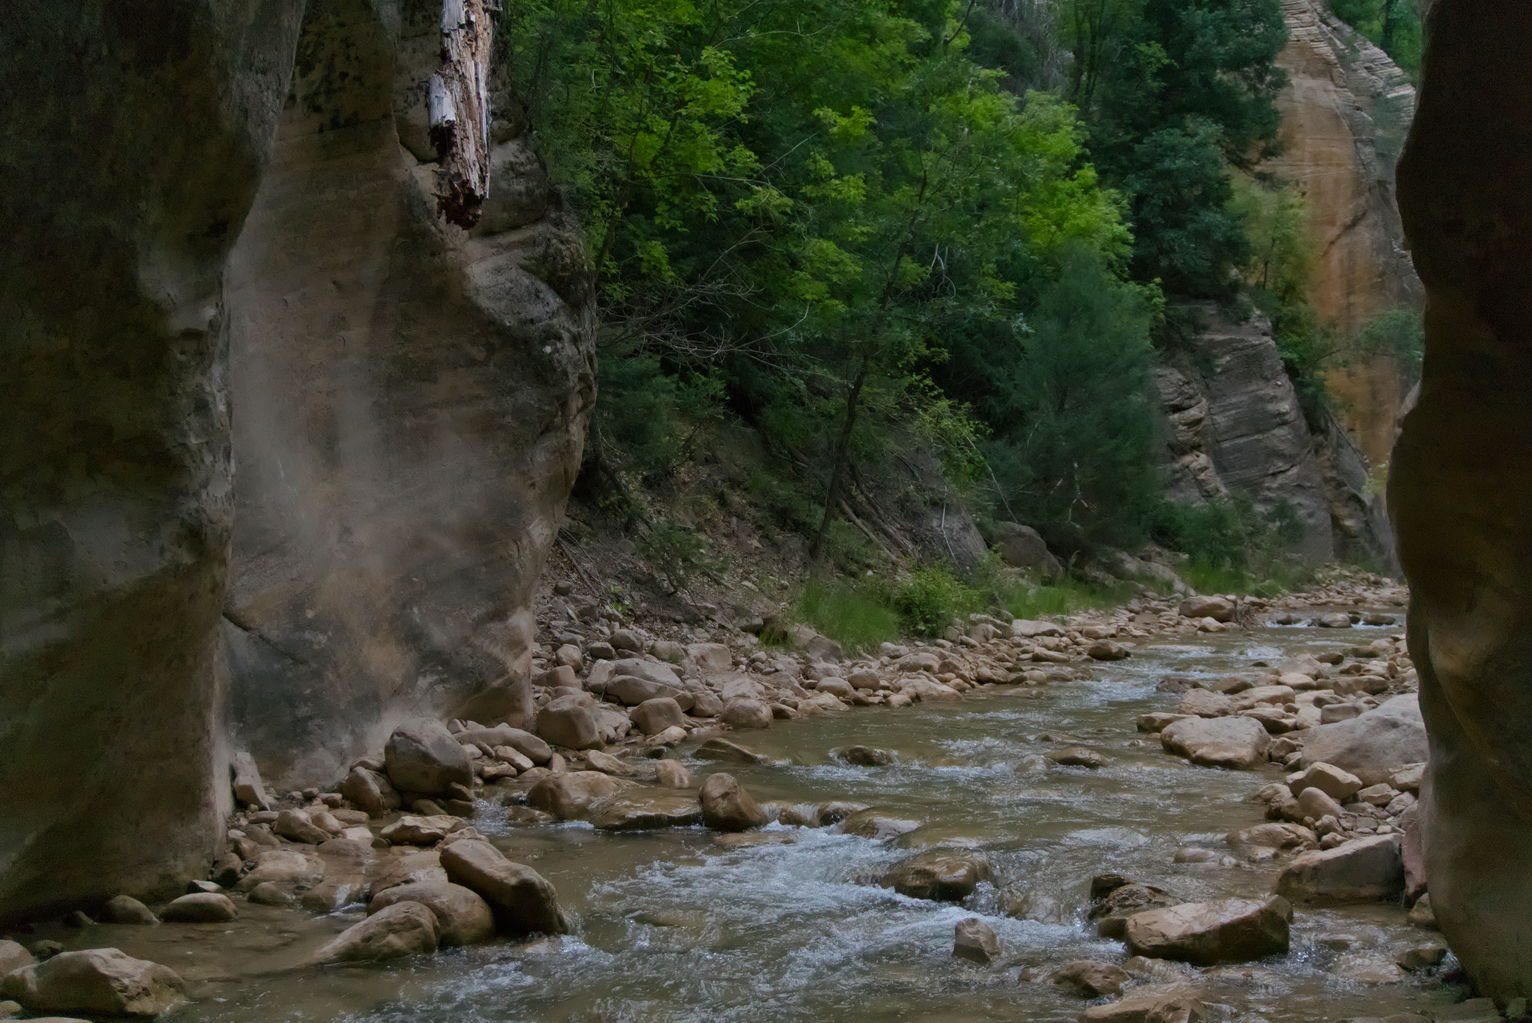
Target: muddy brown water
672, 926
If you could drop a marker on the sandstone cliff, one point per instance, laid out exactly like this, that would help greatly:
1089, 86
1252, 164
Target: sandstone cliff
1344, 113
382, 413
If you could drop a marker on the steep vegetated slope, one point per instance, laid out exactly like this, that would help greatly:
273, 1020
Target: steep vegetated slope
872, 274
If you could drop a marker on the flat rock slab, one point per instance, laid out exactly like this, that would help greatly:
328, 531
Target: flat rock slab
1207, 933
1238, 743
1363, 870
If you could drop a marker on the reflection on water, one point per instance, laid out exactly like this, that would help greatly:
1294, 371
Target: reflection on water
674, 927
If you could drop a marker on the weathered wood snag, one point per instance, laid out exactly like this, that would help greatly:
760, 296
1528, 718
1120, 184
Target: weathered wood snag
459, 105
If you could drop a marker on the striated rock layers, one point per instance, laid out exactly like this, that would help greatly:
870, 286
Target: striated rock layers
1234, 425
1461, 485
402, 401
1344, 111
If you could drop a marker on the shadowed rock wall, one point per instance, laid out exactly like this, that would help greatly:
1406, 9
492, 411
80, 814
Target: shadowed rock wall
132, 142
410, 403
380, 416
1461, 483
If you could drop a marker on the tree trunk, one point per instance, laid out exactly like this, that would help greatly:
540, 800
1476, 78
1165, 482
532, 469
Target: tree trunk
459, 106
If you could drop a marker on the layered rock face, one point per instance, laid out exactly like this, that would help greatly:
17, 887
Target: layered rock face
1234, 426
1461, 485
1344, 113
409, 406
380, 412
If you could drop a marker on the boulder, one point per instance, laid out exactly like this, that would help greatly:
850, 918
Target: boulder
462, 916
405, 928
1263, 841
744, 712
97, 981
1088, 979
672, 774
295, 826
249, 790
523, 742
975, 941
567, 795
1238, 742
200, 908
1206, 704
940, 875
1220, 609
120, 909
654, 716
289, 867
1022, 628
1206, 933
1165, 1003
422, 756
710, 656
630, 691
651, 671
1371, 746
370, 791
418, 830
877, 825
1023, 547
726, 806
13, 956
1107, 650
1362, 870
569, 722
522, 900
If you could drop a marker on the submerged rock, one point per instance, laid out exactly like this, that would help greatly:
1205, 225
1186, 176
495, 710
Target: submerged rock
864, 756
462, 916
1089, 979
975, 940
568, 795
940, 875
727, 806
200, 908
405, 928
97, 981
1167, 1003
120, 909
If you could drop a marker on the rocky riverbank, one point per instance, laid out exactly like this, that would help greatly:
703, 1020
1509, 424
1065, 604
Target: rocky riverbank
398, 834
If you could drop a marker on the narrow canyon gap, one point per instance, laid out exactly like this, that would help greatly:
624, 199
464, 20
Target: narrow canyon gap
1460, 491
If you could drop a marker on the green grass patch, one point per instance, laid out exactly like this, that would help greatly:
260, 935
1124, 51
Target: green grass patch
1210, 577
858, 617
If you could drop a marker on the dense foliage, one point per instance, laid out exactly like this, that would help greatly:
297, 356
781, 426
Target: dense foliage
849, 224
1395, 25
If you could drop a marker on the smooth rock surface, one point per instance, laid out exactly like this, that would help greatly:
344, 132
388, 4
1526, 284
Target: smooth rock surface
98, 980
1206, 933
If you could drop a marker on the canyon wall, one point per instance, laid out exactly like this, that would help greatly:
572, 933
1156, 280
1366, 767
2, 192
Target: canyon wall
1461, 482
274, 499
134, 140
1344, 111
409, 406
1233, 425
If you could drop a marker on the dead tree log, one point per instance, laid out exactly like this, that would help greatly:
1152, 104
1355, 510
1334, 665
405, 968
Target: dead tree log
458, 106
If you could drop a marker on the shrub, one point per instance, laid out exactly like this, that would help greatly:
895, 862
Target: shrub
930, 598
